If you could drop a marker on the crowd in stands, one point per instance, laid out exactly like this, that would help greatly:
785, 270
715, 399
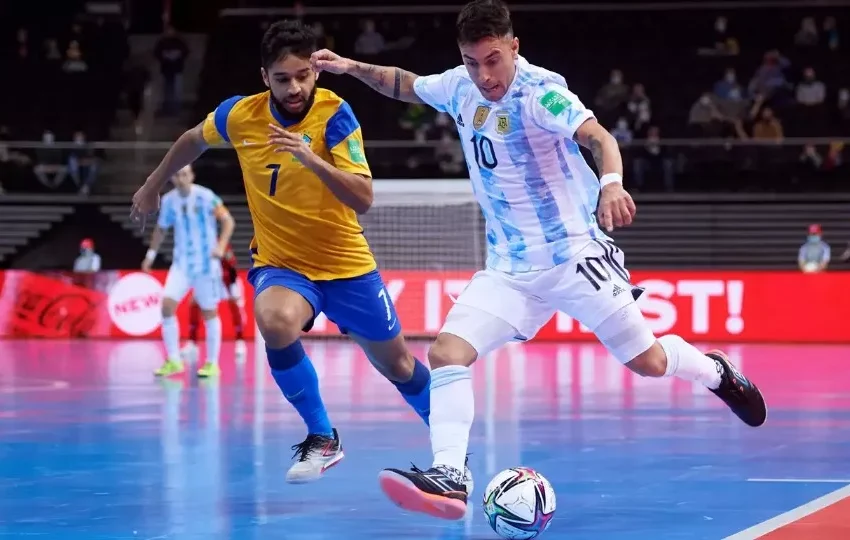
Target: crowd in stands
64, 81
746, 75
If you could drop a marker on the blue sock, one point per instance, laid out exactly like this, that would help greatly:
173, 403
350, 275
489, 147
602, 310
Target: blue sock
297, 379
417, 391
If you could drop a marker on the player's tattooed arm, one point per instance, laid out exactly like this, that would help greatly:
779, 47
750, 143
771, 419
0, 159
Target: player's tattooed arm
602, 145
390, 81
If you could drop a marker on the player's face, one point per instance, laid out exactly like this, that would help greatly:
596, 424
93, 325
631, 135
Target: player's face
491, 64
183, 179
292, 82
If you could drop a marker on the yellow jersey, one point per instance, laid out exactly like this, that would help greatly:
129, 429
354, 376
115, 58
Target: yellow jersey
298, 222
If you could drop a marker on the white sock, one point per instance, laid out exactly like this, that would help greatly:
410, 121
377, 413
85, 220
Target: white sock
171, 337
687, 362
452, 412
213, 333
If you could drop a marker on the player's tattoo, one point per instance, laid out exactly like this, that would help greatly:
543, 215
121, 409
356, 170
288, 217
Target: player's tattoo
595, 147
397, 84
390, 81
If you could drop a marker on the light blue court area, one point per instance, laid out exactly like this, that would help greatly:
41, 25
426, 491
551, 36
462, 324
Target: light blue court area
92, 447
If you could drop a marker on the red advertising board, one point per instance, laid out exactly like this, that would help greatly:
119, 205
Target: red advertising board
704, 306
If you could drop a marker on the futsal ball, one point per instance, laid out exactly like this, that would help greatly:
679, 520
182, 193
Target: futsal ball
519, 503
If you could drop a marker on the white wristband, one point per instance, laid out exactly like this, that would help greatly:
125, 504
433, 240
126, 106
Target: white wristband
150, 255
610, 178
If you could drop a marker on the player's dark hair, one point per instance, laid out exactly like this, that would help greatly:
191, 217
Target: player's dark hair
482, 19
284, 38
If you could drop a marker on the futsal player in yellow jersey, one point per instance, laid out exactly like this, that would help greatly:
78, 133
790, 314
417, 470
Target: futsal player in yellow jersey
306, 179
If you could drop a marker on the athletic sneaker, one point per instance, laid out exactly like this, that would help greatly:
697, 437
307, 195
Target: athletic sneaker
742, 396
437, 492
467, 478
209, 370
315, 455
169, 368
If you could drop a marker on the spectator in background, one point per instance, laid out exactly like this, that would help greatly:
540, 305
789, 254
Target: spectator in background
622, 132
612, 95
830, 34
449, 155
640, 107
810, 91
729, 96
370, 42
723, 43
834, 156
807, 35
171, 51
415, 119
842, 112
654, 159
74, 61
49, 169
768, 127
52, 54
82, 164
88, 261
769, 78
705, 118
814, 254
811, 159
323, 39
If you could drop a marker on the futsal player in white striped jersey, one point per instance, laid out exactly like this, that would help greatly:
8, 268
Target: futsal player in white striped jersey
521, 128
202, 230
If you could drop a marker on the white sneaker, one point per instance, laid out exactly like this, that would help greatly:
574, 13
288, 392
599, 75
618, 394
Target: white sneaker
467, 477
315, 455
189, 352
240, 350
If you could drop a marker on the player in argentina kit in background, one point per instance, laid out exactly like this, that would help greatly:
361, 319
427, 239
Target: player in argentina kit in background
194, 213
521, 128
306, 177
234, 294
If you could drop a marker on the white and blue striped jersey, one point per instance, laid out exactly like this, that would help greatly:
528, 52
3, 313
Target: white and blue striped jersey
536, 191
195, 225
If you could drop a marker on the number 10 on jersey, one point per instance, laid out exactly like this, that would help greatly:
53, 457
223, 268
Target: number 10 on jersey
485, 154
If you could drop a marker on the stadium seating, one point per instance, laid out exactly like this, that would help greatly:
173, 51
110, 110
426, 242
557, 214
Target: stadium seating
22, 222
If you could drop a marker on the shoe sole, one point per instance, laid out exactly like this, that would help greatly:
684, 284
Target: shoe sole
310, 479
404, 494
722, 355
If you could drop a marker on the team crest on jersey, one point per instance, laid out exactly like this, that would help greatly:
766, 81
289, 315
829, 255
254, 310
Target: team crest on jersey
503, 125
481, 114
306, 138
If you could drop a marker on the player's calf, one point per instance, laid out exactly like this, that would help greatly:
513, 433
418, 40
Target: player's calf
170, 328
212, 327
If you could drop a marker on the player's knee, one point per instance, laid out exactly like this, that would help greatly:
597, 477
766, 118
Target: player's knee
280, 326
399, 367
450, 350
169, 307
650, 363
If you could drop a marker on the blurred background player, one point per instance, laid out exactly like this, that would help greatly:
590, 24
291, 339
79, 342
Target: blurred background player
815, 253
521, 129
235, 295
195, 213
306, 179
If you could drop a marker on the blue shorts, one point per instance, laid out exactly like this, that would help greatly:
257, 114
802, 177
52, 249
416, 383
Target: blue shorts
359, 305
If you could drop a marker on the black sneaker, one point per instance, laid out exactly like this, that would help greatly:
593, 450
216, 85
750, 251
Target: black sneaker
314, 456
438, 492
742, 396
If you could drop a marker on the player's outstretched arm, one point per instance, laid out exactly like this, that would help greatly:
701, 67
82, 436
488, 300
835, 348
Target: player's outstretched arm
392, 82
185, 150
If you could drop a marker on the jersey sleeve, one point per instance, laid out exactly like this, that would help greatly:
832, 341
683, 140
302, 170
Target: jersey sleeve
557, 110
167, 215
216, 123
438, 90
344, 141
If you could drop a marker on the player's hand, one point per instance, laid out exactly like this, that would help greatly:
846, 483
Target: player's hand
218, 252
147, 264
326, 60
286, 141
616, 207
145, 204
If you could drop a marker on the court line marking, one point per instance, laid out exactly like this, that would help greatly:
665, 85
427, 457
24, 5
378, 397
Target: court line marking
796, 514
802, 480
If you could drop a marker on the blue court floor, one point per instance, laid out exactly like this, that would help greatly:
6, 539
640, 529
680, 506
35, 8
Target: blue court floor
92, 447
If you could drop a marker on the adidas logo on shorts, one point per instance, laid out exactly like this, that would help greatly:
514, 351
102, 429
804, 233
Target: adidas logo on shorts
618, 290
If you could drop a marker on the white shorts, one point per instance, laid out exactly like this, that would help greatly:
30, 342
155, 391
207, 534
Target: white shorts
207, 289
591, 288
